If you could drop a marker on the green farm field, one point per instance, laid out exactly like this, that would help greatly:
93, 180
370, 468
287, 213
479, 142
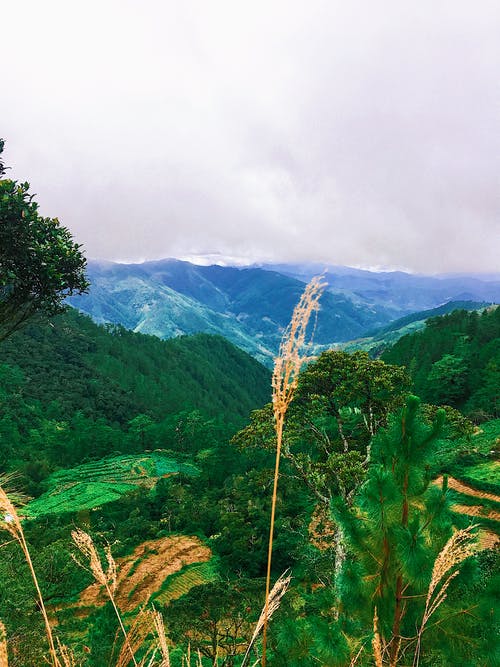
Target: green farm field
91, 485
486, 472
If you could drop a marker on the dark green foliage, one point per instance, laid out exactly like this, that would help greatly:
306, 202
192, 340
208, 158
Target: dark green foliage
104, 638
426, 314
216, 618
396, 528
40, 264
59, 578
111, 372
308, 641
24, 628
72, 390
455, 360
341, 401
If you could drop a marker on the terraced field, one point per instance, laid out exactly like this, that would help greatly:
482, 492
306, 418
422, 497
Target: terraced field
162, 570
93, 484
475, 490
488, 472
181, 583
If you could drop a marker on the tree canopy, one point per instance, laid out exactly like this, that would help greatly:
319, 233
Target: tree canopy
40, 264
455, 361
342, 400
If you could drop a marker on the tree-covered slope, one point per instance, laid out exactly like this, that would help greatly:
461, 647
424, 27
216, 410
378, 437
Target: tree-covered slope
113, 372
72, 390
455, 360
375, 342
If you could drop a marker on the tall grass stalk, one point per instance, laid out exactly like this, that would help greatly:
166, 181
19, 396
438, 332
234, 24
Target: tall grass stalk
67, 656
162, 638
10, 521
278, 591
376, 641
287, 367
460, 546
108, 579
136, 637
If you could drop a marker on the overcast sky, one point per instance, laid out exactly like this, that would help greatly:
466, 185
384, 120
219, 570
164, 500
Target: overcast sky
360, 133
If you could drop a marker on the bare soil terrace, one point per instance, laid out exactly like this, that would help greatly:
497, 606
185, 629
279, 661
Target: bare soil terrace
142, 572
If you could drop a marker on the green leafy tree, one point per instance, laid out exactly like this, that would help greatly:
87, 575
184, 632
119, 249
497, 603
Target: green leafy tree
216, 618
447, 380
139, 429
341, 401
455, 360
40, 264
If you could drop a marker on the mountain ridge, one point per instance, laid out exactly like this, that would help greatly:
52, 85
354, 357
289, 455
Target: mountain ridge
252, 305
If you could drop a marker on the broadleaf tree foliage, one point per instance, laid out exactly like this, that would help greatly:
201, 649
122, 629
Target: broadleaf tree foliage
341, 401
40, 264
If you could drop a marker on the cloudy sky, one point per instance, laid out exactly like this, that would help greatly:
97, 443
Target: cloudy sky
352, 132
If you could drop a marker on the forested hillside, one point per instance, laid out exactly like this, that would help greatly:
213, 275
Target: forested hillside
455, 361
72, 390
147, 445
375, 342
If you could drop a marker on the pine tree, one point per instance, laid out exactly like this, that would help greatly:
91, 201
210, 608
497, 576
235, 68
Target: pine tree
394, 531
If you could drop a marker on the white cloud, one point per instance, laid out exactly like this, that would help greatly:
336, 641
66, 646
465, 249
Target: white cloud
359, 133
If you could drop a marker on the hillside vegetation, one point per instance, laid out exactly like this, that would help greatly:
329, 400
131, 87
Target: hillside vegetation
372, 487
455, 361
375, 342
93, 484
72, 390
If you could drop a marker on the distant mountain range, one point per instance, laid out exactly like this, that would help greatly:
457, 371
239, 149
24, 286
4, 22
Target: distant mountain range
252, 306
398, 291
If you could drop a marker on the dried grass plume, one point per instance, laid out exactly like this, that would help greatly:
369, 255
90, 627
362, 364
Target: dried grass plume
4, 658
277, 592
291, 358
287, 367
107, 578
460, 546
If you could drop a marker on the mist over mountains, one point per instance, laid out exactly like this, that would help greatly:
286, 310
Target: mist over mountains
250, 306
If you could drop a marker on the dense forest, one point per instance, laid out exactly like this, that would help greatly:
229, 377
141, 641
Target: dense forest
73, 391
455, 361
142, 519
357, 448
